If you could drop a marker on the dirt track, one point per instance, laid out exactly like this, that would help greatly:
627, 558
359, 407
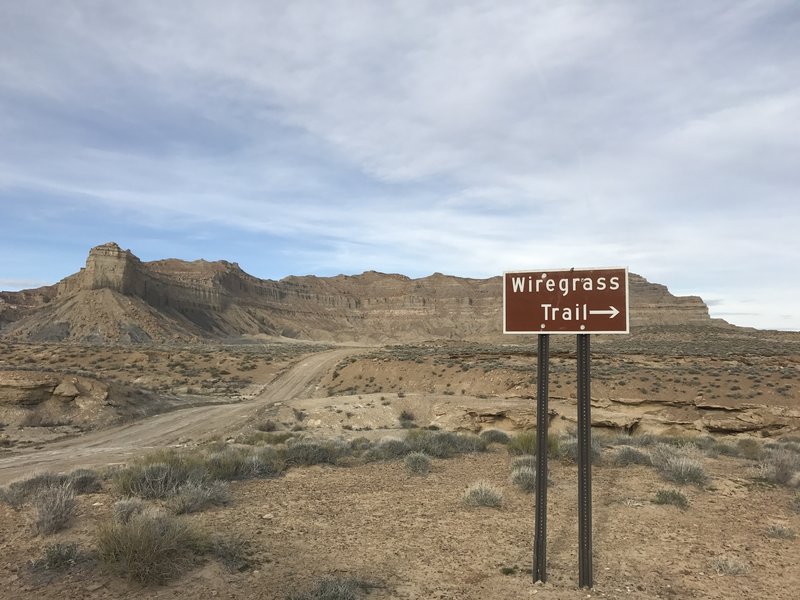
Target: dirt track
118, 444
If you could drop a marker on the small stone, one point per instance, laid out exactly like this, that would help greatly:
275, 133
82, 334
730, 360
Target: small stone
93, 587
268, 516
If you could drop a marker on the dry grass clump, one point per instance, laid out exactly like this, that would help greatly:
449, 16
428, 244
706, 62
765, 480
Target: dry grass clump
334, 588
568, 449
309, 452
81, 481
55, 508
778, 531
444, 444
482, 493
495, 436
197, 496
780, 465
680, 464
388, 449
128, 507
673, 497
418, 463
628, 455
525, 443
524, 477
727, 565
149, 548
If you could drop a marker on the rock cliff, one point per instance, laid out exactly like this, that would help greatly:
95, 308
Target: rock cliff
118, 298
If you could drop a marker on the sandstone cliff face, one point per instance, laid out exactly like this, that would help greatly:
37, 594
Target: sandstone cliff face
118, 298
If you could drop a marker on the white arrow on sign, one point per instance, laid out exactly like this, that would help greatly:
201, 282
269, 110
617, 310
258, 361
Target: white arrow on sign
613, 312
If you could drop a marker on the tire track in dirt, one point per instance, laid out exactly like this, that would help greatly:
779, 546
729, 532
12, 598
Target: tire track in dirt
118, 444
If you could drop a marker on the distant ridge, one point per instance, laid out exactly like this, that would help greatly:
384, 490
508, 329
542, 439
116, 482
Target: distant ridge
117, 298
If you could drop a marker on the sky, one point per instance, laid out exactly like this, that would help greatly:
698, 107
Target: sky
465, 137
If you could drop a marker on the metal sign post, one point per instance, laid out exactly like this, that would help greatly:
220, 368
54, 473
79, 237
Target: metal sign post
566, 301
584, 464
542, 418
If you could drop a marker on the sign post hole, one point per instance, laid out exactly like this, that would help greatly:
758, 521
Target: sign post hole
565, 301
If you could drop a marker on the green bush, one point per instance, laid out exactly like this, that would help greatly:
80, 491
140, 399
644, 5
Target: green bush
674, 497
495, 436
482, 493
55, 508
58, 557
149, 548
418, 463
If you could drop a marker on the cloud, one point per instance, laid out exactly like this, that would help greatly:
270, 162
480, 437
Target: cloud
467, 137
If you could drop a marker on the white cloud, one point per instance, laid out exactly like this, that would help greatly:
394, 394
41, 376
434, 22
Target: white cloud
467, 137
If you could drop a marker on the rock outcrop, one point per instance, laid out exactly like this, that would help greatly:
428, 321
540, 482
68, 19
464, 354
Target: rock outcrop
118, 298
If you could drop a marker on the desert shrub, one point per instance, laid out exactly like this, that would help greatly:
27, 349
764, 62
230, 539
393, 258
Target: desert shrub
627, 455
725, 449
750, 449
526, 460
334, 588
418, 463
196, 496
157, 480
84, 481
231, 551
229, 464
308, 452
261, 438
674, 497
268, 425
794, 503
149, 548
58, 557
127, 507
495, 436
778, 531
444, 444
19, 492
683, 469
55, 507
159, 474
638, 441
779, 466
524, 478
388, 449
482, 493
727, 565
523, 443
568, 449
266, 462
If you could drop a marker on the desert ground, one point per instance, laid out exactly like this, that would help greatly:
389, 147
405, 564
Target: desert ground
306, 448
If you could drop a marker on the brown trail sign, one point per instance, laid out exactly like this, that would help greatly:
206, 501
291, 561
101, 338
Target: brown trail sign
565, 301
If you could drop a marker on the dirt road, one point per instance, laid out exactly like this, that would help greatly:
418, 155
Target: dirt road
118, 444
